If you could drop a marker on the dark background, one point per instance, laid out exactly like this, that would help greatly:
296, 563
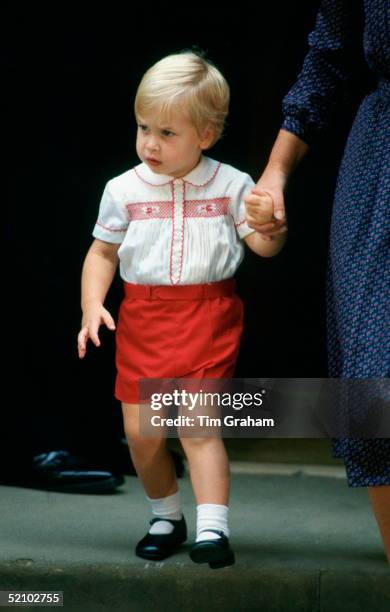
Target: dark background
72, 76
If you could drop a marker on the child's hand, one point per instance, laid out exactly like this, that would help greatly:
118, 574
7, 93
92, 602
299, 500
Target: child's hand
259, 209
94, 315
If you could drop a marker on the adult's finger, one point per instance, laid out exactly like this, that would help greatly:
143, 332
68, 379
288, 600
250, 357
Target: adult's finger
264, 227
280, 228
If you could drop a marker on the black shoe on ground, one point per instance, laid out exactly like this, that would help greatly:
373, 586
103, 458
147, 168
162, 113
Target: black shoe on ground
217, 553
63, 472
156, 547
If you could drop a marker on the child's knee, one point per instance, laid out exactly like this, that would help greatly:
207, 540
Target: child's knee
131, 429
193, 444
143, 445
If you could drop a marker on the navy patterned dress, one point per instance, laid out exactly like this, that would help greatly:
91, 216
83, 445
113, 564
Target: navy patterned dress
358, 285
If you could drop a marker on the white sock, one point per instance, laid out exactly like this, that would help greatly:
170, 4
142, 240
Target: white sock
211, 516
165, 507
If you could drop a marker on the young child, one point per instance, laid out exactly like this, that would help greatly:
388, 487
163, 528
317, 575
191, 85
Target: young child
176, 224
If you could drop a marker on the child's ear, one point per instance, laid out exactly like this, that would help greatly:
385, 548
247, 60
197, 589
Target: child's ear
208, 137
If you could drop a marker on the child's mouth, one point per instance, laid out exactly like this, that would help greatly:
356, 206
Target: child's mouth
153, 162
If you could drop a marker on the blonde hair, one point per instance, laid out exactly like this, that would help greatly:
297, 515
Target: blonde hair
186, 81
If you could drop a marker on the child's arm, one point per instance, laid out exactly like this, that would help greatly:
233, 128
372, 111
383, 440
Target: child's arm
98, 272
265, 248
259, 210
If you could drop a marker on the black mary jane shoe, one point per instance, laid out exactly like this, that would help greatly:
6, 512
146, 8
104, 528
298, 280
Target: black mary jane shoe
156, 546
217, 553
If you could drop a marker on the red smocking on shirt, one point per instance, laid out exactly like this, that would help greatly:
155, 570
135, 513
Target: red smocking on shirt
213, 207
149, 210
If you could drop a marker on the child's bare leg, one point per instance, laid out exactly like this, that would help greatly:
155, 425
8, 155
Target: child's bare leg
156, 470
152, 461
210, 477
209, 469
380, 500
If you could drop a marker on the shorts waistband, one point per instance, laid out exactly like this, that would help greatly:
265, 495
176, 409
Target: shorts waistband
205, 291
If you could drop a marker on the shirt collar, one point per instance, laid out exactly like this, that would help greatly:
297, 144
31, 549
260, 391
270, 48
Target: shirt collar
201, 175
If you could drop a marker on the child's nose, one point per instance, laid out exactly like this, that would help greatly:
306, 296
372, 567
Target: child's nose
152, 143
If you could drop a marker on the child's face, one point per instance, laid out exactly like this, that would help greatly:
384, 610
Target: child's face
172, 148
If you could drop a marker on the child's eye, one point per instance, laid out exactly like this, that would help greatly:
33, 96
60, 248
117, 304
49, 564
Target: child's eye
143, 128
168, 133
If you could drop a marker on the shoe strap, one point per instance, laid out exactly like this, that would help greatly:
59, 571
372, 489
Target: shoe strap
217, 531
172, 521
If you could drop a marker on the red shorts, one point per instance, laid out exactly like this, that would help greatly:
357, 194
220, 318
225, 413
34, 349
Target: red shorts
182, 331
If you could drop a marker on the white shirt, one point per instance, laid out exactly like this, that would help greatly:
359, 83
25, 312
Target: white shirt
176, 231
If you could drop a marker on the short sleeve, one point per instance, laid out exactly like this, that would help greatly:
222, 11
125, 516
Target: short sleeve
240, 188
112, 222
